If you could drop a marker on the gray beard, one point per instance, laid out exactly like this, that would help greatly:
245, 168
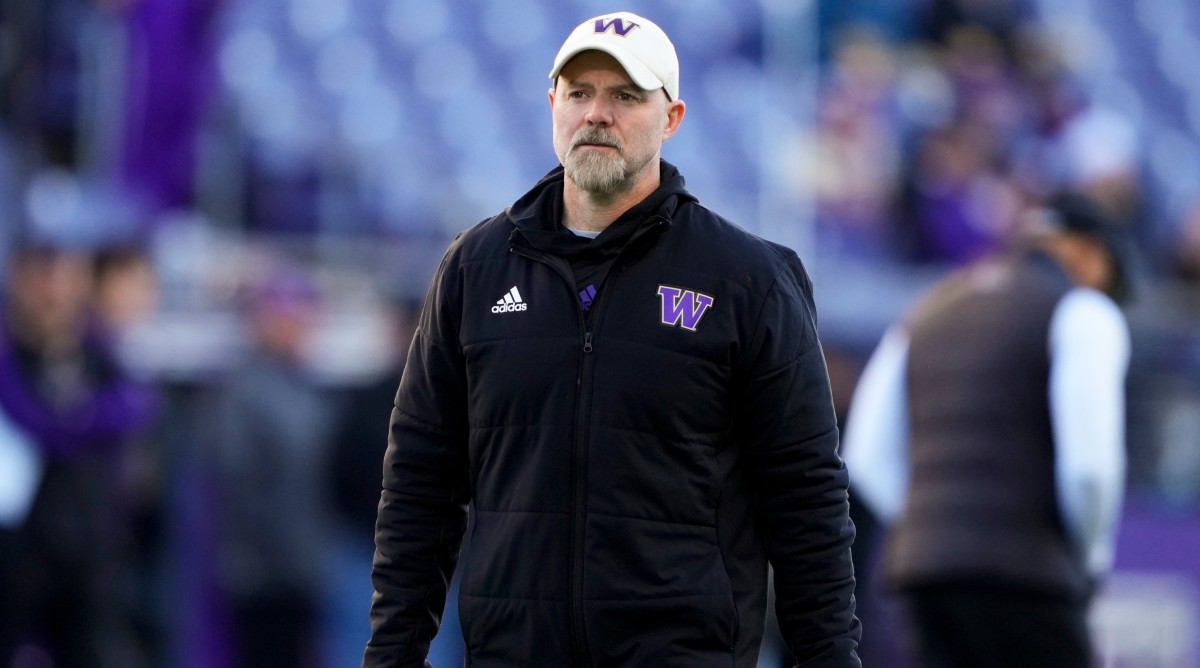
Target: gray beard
598, 174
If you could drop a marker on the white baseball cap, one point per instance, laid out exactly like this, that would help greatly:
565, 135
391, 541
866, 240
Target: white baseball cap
641, 47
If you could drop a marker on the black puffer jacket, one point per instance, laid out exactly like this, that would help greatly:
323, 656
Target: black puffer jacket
629, 473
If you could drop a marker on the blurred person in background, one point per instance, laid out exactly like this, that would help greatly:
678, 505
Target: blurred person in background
1075, 140
1184, 245
855, 160
356, 454
67, 413
126, 287
964, 207
959, 197
272, 424
629, 393
124, 296
988, 431
358, 449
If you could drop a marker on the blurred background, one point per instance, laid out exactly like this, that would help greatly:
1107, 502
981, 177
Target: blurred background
274, 182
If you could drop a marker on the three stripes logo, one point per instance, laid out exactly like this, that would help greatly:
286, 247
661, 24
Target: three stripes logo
587, 296
510, 302
683, 307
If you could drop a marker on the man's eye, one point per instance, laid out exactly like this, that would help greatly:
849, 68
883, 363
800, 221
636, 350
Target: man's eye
576, 94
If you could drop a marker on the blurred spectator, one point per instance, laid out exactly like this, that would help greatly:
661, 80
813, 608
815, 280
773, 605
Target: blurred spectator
42, 77
893, 20
939, 19
126, 287
1184, 252
856, 160
354, 480
354, 476
963, 205
1073, 141
67, 410
358, 448
272, 425
125, 293
986, 88
962, 109
988, 431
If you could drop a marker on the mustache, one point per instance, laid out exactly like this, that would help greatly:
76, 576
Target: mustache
596, 136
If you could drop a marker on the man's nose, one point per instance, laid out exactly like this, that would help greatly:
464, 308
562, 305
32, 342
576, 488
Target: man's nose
599, 111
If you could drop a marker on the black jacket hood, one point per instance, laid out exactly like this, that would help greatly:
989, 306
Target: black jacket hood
537, 215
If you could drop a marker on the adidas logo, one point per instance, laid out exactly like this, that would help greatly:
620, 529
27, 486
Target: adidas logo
511, 302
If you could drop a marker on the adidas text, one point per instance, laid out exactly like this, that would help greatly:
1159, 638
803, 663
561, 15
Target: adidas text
510, 302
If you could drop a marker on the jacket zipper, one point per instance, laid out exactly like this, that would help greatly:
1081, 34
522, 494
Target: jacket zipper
579, 503
579, 651
587, 324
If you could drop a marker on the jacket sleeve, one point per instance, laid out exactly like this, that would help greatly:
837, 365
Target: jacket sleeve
422, 508
800, 481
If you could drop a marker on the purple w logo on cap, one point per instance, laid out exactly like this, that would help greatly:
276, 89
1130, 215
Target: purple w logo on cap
682, 307
616, 25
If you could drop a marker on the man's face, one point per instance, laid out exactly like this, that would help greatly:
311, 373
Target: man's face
607, 130
49, 292
1089, 262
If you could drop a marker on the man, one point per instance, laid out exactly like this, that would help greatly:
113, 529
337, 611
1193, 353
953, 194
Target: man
273, 510
353, 481
68, 411
629, 393
988, 428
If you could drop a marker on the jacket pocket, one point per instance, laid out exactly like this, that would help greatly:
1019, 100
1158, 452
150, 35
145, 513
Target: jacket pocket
657, 593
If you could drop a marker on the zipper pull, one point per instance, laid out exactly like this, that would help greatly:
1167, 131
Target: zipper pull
587, 342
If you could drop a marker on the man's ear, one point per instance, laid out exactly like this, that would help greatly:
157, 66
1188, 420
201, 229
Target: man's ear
675, 112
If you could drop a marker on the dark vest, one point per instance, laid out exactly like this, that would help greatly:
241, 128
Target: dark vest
981, 499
